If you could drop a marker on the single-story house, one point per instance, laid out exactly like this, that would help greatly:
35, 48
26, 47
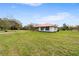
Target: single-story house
46, 27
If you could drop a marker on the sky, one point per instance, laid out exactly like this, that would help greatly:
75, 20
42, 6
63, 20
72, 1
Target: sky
38, 13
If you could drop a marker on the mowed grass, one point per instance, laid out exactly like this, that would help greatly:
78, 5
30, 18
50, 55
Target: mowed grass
31, 43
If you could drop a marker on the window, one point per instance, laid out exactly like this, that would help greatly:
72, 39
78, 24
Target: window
42, 28
47, 28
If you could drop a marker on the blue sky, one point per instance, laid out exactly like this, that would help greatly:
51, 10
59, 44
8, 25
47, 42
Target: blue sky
54, 13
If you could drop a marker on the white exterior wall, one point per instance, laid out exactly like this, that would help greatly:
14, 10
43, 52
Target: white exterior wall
52, 29
39, 29
44, 29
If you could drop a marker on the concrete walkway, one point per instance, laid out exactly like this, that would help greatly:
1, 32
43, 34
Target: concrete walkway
7, 32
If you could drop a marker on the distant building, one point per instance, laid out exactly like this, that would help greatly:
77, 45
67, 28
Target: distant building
46, 27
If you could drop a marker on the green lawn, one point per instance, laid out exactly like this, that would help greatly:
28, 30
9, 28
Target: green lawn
25, 43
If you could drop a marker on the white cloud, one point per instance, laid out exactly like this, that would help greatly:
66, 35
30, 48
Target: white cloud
34, 4
58, 16
64, 16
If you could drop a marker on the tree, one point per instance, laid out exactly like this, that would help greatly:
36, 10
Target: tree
65, 27
26, 27
29, 27
71, 27
10, 24
15, 25
0, 24
77, 27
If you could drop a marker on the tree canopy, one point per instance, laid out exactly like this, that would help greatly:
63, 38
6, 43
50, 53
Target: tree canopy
12, 24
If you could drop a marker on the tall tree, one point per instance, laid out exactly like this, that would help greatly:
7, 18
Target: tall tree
65, 27
13, 24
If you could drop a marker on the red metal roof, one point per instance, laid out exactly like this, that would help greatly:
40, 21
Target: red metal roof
42, 25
